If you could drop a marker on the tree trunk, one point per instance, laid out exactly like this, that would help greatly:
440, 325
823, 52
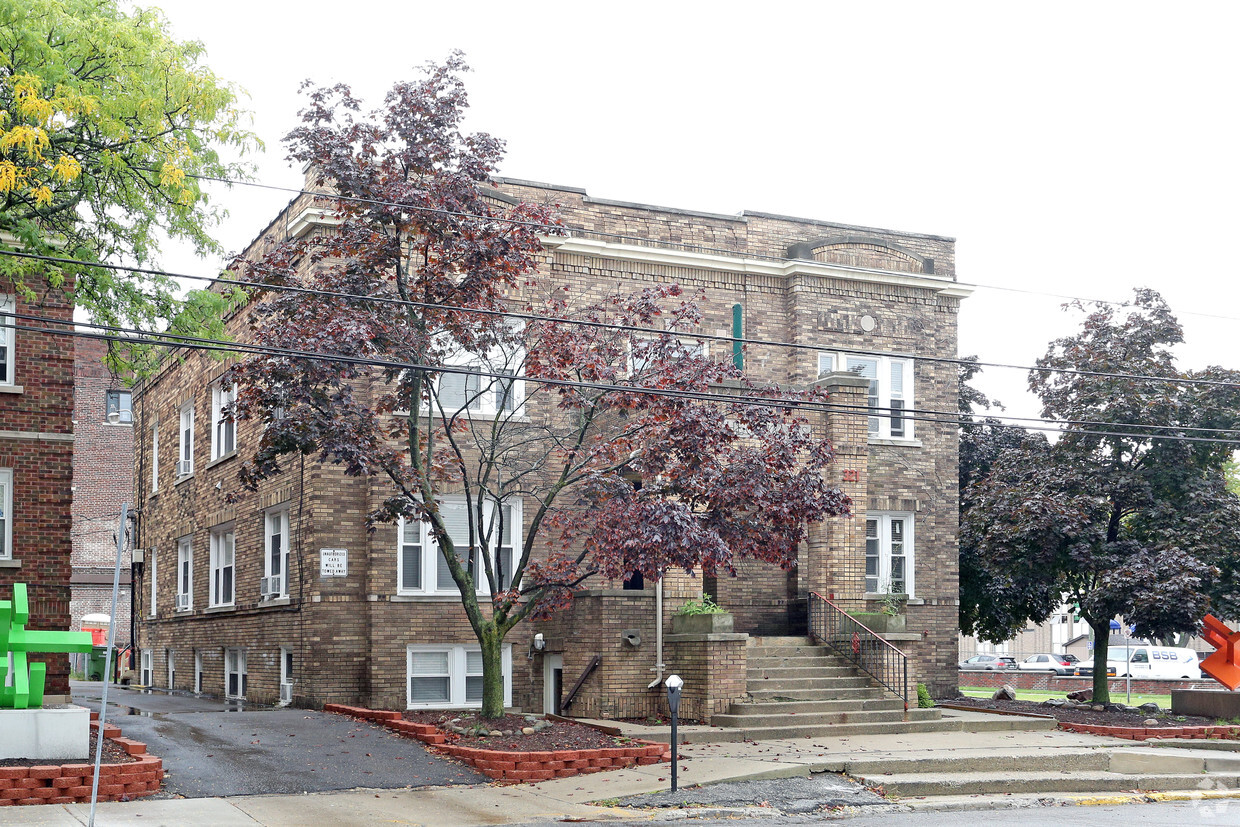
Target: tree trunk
1102, 685
492, 644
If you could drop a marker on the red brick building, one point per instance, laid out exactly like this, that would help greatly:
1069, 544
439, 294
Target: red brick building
36, 462
334, 615
102, 481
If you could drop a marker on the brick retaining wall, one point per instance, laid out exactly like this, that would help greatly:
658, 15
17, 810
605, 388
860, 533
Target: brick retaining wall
71, 783
505, 765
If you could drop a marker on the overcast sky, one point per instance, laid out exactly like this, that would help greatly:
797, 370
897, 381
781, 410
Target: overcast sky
1077, 149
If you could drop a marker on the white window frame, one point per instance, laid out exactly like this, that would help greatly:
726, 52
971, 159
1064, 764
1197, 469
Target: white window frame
457, 658
884, 543
223, 428
153, 558
278, 517
198, 671
287, 667
123, 406
419, 535
6, 513
892, 387
185, 573
235, 664
8, 340
185, 441
155, 457
171, 656
146, 668
223, 561
691, 348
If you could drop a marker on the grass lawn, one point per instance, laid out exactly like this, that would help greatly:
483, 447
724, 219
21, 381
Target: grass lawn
1164, 701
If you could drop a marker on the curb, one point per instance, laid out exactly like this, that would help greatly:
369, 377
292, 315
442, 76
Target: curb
504, 765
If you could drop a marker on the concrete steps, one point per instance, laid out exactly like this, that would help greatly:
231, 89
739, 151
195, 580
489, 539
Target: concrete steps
801, 690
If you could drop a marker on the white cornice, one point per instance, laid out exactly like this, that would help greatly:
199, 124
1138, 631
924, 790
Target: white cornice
309, 218
729, 264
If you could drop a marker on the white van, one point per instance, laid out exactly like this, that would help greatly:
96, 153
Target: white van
1154, 662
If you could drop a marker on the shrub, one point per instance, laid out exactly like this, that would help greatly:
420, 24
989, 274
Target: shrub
705, 606
924, 701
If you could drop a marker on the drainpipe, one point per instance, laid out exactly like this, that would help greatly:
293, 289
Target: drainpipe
658, 634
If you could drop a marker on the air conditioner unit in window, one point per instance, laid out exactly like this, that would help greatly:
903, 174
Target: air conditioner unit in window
185, 467
271, 586
182, 602
286, 693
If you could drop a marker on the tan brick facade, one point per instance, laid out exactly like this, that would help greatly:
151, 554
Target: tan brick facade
811, 284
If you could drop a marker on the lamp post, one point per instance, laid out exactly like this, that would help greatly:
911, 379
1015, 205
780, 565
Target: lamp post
674, 685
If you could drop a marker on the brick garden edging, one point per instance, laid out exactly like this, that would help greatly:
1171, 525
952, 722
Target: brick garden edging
1143, 733
71, 783
504, 765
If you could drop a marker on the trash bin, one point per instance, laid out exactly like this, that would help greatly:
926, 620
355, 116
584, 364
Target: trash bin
96, 662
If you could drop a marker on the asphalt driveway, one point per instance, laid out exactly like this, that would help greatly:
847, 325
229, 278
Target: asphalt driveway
210, 748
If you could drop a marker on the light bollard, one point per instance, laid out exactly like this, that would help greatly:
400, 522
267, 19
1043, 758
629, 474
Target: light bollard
674, 685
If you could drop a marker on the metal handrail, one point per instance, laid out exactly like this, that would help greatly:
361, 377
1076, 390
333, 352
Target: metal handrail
853, 641
572, 693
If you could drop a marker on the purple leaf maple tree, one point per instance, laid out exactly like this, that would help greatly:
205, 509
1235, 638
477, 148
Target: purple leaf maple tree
537, 451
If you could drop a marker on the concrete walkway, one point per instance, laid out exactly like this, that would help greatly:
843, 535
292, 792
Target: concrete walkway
708, 763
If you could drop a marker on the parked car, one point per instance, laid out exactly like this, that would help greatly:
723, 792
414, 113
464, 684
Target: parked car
1086, 670
1057, 664
987, 663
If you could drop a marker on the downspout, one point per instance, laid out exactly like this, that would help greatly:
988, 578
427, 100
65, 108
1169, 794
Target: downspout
658, 634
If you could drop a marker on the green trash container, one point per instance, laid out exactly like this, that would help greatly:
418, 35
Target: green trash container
96, 662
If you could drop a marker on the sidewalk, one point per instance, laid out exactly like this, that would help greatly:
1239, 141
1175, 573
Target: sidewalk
567, 797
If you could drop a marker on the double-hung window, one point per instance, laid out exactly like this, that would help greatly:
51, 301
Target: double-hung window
6, 513
451, 676
471, 389
8, 341
275, 553
185, 463
421, 568
120, 403
185, 575
223, 426
890, 392
889, 553
223, 557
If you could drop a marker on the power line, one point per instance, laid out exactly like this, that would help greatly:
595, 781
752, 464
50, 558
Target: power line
937, 417
603, 325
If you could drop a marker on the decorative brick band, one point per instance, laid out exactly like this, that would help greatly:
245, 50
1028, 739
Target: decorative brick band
1143, 733
71, 783
517, 766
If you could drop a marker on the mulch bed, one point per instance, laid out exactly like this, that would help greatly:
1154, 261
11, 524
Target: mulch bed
561, 735
1075, 715
112, 754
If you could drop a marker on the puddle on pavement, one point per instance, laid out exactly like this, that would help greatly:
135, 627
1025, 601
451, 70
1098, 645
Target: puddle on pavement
130, 710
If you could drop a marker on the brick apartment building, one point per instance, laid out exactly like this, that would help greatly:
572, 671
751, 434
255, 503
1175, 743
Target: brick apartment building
283, 593
102, 482
36, 464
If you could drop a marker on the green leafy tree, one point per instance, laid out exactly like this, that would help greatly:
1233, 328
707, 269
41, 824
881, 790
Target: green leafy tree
104, 119
1118, 515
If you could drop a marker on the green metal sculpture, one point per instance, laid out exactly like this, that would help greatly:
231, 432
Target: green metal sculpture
26, 691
